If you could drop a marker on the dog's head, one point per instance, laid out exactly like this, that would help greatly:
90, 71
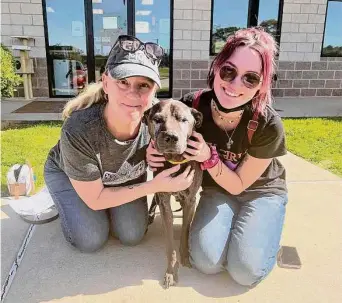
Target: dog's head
170, 124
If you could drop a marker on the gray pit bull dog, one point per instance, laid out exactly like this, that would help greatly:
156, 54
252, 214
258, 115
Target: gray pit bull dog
170, 124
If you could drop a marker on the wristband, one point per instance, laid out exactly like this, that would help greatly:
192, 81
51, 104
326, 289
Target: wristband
212, 161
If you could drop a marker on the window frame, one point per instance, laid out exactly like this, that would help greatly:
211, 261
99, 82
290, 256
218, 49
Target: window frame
325, 24
89, 32
252, 19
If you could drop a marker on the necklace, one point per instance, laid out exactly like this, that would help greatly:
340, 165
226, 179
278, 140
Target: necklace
222, 118
230, 141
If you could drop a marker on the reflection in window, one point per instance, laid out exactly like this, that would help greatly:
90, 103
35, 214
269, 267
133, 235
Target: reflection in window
332, 45
230, 16
67, 46
109, 22
152, 24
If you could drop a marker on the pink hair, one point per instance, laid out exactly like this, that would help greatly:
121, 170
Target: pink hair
266, 46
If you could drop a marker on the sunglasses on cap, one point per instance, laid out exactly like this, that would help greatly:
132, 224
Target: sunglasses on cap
132, 44
250, 79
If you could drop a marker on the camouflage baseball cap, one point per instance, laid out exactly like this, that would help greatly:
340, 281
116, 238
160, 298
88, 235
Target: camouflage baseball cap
123, 64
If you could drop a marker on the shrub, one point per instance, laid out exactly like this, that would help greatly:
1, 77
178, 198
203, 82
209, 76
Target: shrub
9, 80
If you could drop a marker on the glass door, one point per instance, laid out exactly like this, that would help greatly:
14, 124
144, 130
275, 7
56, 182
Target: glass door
82, 32
67, 52
109, 21
152, 23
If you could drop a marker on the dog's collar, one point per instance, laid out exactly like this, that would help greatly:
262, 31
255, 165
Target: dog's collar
178, 162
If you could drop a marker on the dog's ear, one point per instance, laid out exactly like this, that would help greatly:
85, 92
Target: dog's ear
198, 117
146, 116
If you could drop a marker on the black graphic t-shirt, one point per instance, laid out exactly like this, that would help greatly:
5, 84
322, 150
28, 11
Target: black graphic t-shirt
88, 151
268, 142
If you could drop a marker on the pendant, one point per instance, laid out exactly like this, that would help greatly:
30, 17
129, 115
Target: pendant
229, 144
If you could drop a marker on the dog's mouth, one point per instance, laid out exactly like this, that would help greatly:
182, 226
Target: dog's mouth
172, 153
171, 157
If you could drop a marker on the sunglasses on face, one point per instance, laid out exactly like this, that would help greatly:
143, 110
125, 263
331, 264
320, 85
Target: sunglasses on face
132, 44
251, 80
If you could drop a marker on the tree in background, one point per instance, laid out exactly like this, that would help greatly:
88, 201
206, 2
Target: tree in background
332, 51
221, 34
9, 79
270, 26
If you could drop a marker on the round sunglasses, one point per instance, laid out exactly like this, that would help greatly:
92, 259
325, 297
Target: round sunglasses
251, 80
132, 44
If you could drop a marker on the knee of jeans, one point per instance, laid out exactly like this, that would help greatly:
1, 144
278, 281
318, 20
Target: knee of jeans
90, 243
199, 259
245, 272
131, 237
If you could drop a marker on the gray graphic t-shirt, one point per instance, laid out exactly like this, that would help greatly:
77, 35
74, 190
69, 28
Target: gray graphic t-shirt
87, 150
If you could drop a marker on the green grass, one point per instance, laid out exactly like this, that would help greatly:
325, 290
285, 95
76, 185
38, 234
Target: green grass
164, 72
316, 140
28, 142
163, 90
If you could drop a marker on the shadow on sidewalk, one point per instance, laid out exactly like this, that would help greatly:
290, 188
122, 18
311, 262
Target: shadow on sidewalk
52, 269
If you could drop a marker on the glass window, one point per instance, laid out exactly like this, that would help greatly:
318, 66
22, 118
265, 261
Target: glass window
109, 22
152, 24
68, 38
268, 16
228, 17
67, 46
332, 44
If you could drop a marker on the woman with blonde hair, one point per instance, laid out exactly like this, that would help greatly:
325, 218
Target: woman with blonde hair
96, 173
239, 219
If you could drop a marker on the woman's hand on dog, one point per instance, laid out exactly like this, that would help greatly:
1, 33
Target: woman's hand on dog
164, 182
154, 158
197, 150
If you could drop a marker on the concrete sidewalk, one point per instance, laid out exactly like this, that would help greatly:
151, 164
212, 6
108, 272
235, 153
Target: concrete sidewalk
52, 271
287, 107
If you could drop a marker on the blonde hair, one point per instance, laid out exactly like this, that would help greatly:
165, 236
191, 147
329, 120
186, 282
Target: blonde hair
92, 94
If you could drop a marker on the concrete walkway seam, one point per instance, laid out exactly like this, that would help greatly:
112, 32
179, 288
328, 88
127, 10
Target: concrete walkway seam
17, 261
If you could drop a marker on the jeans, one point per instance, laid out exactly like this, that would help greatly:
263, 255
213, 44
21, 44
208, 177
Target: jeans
87, 229
239, 237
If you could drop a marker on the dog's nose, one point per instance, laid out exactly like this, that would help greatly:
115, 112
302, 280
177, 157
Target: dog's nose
170, 138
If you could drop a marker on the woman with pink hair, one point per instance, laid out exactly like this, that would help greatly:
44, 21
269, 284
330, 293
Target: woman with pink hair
239, 219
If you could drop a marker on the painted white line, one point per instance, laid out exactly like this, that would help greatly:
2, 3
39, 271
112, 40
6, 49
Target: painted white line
17, 261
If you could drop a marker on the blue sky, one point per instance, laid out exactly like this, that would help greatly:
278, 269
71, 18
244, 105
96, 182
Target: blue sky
234, 13
333, 30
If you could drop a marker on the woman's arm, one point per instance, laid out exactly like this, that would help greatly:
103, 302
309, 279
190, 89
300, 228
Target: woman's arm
235, 182
98, 197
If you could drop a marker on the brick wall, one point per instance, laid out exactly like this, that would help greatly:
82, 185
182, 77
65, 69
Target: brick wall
25, 18
309, 79
300, 69
191, 45
302, 30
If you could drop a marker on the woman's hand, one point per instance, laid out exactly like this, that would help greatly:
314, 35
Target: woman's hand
197, 150
153, 157
164, 182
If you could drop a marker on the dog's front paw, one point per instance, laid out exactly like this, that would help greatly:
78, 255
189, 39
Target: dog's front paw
171, 276
169, 280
